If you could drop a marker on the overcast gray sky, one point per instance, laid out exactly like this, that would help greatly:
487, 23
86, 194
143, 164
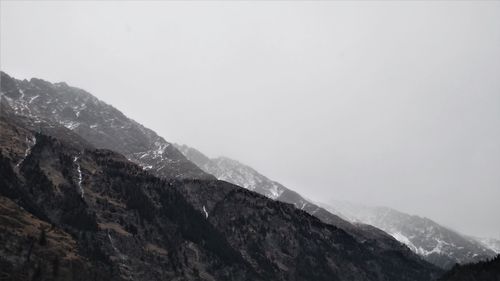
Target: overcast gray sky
384, 103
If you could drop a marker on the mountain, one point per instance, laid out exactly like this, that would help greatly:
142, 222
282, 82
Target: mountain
436, 243
103, 126
480, 271
100, 124
71, 211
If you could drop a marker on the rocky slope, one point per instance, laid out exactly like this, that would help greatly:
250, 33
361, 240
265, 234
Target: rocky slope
436, 243
73, 212
100, 124
32, 248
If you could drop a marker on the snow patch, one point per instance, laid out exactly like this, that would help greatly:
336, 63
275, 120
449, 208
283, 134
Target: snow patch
33, 98
275, 191
111, 241
403, 239
30, 142
206, 213
159, 149
20, 106
79, 172
70, 124
438, 249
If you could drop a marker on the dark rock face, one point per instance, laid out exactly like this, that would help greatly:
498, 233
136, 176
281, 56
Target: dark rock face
112, 220
480, 271
33, 249
98, 123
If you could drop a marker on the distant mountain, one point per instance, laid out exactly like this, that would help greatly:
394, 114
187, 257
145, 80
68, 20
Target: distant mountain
436, 243
74, 212
480, 271
100, 124
491, 243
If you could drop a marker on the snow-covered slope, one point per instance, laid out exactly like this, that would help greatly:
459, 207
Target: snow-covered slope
99, 123
491, 243
234, 172
435, 243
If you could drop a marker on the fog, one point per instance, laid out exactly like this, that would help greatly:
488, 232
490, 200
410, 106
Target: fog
381, 103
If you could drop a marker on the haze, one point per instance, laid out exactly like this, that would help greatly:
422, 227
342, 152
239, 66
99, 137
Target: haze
382, 103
